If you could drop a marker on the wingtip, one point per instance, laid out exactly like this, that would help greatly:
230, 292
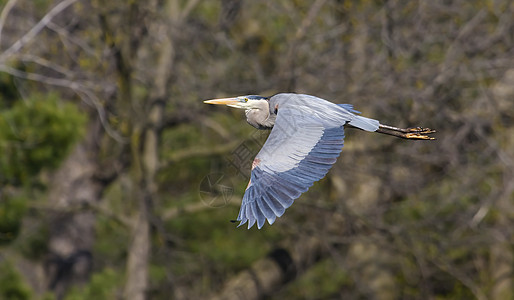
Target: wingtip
241, 223
251, 223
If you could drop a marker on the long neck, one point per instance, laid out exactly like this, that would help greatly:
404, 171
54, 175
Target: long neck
260, 116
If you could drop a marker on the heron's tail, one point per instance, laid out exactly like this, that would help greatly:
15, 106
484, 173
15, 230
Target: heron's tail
361, 122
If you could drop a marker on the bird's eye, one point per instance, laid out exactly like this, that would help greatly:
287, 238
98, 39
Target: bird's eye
246, 99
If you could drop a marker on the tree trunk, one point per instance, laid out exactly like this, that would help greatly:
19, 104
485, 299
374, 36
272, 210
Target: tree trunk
72, 233
147, 165
502, 252
137, 262
267, 275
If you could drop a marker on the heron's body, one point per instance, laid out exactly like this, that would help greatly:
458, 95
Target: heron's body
264, 116
306, 138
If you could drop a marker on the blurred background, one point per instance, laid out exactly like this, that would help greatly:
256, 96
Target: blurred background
117, 182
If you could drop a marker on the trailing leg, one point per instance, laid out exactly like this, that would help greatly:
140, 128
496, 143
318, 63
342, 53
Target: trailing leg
413, 133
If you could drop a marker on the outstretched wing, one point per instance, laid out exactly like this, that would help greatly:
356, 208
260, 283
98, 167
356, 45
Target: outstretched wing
302, 147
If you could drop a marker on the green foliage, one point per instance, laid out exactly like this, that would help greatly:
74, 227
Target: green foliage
108, 233
8, 92
157, 272
35, 244
104, 285
11, 212
215, 238
12, 286
36, 133
323, 281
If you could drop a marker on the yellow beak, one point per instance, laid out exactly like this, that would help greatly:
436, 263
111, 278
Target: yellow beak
225, 101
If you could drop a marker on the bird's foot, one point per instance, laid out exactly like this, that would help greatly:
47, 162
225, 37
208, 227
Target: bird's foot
419, 130
419, 133
417, 136
412, 133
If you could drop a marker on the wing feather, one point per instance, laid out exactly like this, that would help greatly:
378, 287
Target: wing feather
300, 150
277, 208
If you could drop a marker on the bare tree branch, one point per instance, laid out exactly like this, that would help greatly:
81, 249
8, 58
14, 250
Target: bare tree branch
34, 31
62, 82
81, 88
5, 12
66, 35
44, 63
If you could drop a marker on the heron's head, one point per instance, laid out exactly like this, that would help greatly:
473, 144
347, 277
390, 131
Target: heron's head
244, 102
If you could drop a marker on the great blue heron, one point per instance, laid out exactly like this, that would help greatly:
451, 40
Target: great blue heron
305, 140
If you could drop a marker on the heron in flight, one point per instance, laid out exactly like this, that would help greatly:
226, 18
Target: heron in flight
306, 138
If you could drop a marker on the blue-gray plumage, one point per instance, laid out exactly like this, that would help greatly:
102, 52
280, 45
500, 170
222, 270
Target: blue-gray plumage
305, 140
